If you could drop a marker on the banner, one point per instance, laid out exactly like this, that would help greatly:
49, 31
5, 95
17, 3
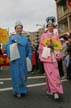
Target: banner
4, 60
3, 36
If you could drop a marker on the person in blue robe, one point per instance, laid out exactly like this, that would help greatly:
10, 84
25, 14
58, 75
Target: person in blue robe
18, 67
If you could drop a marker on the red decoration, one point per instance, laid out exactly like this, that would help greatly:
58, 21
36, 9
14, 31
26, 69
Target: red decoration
4, 60
69, 3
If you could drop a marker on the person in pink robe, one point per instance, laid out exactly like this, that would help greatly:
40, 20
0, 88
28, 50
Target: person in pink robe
54, 84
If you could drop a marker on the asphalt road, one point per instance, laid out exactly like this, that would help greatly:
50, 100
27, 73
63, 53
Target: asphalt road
36, 97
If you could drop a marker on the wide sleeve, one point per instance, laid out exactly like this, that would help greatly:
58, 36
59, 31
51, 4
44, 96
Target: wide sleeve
29, 50
40, 48
58, 53
7, 47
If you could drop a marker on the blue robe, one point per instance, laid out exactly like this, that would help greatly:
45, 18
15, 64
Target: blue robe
19, 67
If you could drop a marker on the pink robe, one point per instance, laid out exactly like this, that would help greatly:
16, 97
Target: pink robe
54, 84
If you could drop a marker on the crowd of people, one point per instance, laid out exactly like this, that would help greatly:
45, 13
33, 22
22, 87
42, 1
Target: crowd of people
66, 57
56, 66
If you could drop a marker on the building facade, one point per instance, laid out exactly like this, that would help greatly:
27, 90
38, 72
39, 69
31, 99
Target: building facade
63, 17
34, 36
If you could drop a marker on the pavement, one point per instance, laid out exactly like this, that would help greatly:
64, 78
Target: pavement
36, 97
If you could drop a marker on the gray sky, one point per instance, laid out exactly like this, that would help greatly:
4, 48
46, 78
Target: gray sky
29, 12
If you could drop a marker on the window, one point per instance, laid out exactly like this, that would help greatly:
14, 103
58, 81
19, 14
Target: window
63, 26
70, 22
62, 10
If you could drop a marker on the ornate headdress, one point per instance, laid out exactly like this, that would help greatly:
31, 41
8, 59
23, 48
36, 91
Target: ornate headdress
18, 24
51, 20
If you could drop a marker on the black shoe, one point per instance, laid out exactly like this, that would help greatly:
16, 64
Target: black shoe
23, 94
